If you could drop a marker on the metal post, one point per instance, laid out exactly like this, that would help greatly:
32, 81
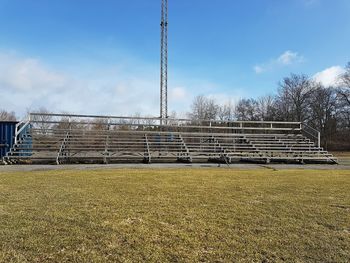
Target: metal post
164, 62
16, 132
319, 139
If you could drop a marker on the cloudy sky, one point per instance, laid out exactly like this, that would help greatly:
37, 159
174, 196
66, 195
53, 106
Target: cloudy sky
102, 56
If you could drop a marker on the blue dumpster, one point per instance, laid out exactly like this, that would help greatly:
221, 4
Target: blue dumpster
7, 136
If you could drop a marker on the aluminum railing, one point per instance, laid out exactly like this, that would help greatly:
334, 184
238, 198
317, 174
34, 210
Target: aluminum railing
311, 133
50, 119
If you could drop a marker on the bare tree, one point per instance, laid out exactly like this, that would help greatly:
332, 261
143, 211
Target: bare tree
149, 121
42, 120
212, 109
344, 98
198, 108
173, 119
246, 110
323, 103
136, 121
266, 108
99, 124
293, 95
7, 116
344, 89
226, 112
204, 108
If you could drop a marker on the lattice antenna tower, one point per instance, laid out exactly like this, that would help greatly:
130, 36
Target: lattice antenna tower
164, 61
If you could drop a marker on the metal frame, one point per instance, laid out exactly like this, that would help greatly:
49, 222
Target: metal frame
164, 61
311, 133
147, 157
158, 122
105, 139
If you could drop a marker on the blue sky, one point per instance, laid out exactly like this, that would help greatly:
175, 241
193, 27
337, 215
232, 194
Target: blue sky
102, 57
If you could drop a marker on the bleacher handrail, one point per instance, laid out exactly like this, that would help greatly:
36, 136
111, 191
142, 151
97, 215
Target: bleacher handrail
20, 128
312, 132
171, 122
96, 139
158, 123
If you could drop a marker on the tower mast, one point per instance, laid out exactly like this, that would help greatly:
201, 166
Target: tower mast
164, 61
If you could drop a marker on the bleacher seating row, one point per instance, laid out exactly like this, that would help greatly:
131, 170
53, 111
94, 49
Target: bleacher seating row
71, 144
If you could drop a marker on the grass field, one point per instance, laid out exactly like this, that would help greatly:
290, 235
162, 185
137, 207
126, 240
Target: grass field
175, 215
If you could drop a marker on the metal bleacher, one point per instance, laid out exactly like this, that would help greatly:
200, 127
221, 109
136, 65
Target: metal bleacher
64, 139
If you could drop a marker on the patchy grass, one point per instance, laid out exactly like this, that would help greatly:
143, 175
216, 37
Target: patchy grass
175, 215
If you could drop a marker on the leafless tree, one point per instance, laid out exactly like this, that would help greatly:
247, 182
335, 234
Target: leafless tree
344, 99
42, 121
136, 121
198, 108
344, 89
226, 112
149, 122
323, 108
293, 95
173, 119
7, 116
212, 109
204, 108
246, 110
99, 124
266, 108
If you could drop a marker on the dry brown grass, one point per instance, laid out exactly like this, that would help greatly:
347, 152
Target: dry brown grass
175, 215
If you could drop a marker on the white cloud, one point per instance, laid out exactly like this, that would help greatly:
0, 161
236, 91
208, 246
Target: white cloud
121, 89
329, 76
178, 93
27, 83
26, 74
286, 59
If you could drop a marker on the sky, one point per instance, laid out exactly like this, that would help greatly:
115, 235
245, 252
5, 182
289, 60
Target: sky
103, 56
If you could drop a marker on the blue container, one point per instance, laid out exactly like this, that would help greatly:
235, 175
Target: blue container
7, 136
